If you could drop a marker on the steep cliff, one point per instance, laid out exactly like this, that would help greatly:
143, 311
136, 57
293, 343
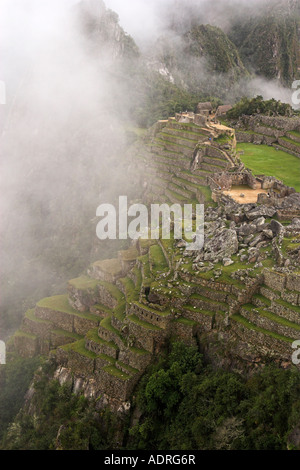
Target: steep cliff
269, 43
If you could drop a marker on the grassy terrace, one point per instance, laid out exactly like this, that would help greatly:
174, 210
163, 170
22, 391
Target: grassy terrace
176, 196
263, 299
208, 313
163, 313
79, 347
295, 133
171, 292
132, 293
177, 136
120, 311
59, 303
31, 316
147, 277
84, 283
21, 333
185, 321
158, 262
143, 324
128, 285
139, 352
129, 255
103, 308
106, 323
174, 144
285, 304
138, 278
226, 273
294, 142
276, 292
213, 303
250, 326
186, 127
272, 316
93, 336
288, 246
130, 369
111, 266
112, 370
161, 148
191, 137
66, 334
265, 160
113, 290
190, 194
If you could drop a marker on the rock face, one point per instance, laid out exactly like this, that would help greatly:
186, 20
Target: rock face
262, 211
222, 245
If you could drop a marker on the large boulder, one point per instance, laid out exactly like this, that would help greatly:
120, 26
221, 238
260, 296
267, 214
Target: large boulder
223, 244
261, 211
276, 227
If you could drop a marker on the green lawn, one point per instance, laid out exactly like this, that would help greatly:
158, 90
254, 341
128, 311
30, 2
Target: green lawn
265, 160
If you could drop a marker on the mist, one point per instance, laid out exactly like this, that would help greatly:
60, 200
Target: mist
61, 140
148, 19
160, 22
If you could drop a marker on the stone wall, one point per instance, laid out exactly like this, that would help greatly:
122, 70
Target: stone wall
289, 145
145, 338
185, 332
205, 321
27, 346
275, 280
269, 325
285, 312
265, 345
110, 335
150, 316
61, 320
135, 359
82, 299
101, 348
280, 281
106, 298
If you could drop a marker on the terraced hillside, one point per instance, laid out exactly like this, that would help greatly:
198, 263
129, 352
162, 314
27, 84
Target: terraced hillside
279, 132
181, 159
110, 337
240, 294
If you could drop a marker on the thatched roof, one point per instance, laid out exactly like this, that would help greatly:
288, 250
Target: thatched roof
223, 109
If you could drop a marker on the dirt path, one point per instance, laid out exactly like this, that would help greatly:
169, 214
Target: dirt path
250, 194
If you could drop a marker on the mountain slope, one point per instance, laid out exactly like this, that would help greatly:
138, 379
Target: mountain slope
269, 44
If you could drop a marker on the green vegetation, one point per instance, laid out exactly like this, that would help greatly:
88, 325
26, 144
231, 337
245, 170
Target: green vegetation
183, 402
188, 405
251, 326
142, 323
79, 347
93, 336
116, 372
256, 105
61, 412
66, 334
84, 283
157, 260
111, 266
265, 160
15, 379
221, 54
254, 36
